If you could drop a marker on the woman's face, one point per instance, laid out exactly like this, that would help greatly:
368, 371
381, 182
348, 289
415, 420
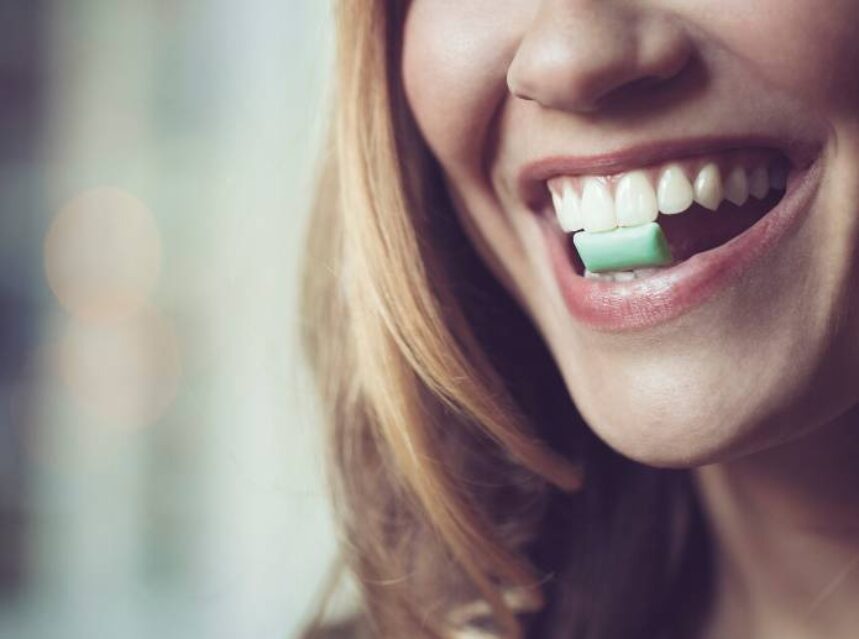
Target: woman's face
744, 343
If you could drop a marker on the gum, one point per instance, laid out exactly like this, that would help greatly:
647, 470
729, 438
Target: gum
623, 248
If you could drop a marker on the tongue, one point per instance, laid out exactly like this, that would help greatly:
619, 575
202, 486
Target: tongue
700, 229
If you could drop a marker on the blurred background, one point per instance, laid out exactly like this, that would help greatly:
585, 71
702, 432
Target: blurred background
160, 462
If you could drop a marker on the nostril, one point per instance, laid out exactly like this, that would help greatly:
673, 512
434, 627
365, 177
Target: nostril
635, 88
516, 89
641, 84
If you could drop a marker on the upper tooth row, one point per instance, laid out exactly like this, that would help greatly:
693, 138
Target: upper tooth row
635, 201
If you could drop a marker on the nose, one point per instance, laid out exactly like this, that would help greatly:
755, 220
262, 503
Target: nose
576, 54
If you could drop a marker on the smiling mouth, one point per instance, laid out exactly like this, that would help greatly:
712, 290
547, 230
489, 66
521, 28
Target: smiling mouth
699, 203
718, 208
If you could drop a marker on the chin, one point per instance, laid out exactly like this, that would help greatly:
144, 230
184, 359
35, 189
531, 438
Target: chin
673, 442
680, 423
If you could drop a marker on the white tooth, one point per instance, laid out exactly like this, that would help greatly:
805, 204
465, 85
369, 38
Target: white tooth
556, 188
645, 272
675, 193
569, 213
759, 183
635, 200
737, 186
708, 187
778, 177
624, 276
556, 196
597, 206
566, 203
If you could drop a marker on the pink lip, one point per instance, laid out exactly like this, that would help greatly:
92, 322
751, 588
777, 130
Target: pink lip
625, 306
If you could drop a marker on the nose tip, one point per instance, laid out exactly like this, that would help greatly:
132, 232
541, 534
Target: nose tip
575, 59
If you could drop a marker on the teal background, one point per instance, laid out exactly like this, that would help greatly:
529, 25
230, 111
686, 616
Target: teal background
160, 464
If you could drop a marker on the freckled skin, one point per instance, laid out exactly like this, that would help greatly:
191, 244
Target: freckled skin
496, 84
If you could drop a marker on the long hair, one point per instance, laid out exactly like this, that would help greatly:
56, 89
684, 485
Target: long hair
469, 492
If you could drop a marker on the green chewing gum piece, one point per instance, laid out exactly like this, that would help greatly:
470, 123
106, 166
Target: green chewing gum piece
623, 248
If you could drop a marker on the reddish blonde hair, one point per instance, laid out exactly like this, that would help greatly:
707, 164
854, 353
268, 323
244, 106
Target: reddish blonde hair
441, 476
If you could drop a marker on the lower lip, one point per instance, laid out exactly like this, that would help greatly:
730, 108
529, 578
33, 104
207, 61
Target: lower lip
626, 306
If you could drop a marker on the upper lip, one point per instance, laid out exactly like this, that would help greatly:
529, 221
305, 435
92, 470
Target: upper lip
533, 176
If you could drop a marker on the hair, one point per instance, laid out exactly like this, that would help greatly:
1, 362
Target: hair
469, 492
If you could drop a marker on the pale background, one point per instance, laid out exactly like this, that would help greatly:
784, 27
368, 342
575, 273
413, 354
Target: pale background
160, 457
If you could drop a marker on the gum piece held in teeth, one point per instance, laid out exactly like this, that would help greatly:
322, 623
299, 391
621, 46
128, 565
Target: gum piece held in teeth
624, 248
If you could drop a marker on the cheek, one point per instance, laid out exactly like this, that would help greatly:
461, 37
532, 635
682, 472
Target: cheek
806, 47
455, 61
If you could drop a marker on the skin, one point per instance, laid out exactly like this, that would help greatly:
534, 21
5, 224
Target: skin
754, 388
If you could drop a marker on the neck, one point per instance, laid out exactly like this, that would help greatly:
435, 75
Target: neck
786, 530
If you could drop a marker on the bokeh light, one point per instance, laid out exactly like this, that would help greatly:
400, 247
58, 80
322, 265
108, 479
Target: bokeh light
102, 254
125, 372
161, 448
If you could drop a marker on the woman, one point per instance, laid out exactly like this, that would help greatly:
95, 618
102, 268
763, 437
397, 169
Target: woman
580, 301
